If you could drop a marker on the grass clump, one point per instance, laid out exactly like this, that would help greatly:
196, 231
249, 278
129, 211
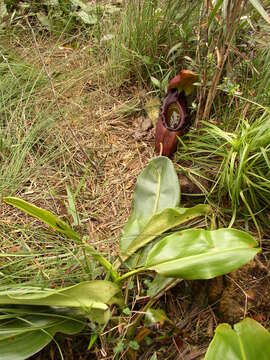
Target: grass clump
19, 80
70, 19
24, 123
146, 34
227, 156
237, 164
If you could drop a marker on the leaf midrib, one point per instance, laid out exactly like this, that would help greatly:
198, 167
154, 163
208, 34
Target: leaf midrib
158, 193
200, 255
241, 345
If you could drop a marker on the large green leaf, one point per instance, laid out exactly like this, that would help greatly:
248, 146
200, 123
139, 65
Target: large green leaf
163, 221
24, 335
157, 188
247, 341
44, 215
201, 254
89, 296
160, 223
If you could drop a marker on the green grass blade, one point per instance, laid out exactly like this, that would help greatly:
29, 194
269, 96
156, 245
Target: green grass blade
258, 6
60, 226
45, 216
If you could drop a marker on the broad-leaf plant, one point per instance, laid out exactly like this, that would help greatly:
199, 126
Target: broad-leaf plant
151, 242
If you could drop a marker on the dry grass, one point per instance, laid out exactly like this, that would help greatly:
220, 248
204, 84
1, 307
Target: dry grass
99, 155
96, 152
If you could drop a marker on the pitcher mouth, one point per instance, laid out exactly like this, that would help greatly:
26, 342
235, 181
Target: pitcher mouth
172, 113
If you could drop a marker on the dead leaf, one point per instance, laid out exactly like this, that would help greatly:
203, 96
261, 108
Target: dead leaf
152, 106
146, 124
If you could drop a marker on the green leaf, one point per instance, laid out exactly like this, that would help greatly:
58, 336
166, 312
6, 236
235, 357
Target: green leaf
92, 341
44, 20
127, 311
23, 337
72, 207
159, 284
88, 296
44, 215
155, 316
53, 2
157, 188
247, 341
154, 357
82, 5
258, 6
86, 18
201, 254
134, 345
155, 82
174, 49
120, 347
58, 225
214, 11
163, 221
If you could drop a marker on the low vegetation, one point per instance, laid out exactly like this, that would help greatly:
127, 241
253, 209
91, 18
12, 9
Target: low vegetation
78, 80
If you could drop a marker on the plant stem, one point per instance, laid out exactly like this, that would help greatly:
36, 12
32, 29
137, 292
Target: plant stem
103, 262
134, 326
130, 273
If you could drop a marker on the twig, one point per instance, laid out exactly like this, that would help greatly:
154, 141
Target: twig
243, 291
